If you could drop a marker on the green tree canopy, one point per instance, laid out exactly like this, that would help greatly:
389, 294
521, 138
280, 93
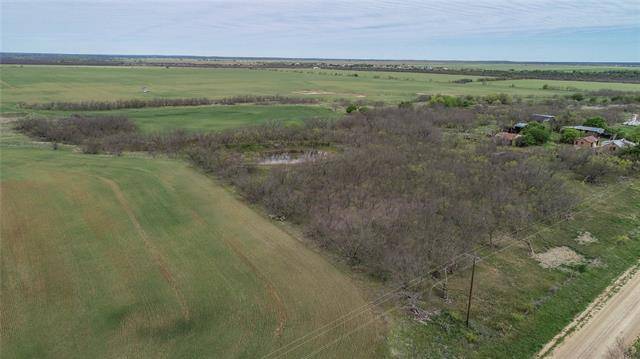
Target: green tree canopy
535, 134
569, 135
596, 121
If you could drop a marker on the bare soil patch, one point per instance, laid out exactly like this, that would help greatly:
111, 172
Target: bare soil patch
4, 120
312, 92
586, 238
557, 256
319, 92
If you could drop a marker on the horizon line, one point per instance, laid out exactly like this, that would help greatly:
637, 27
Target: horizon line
632, 63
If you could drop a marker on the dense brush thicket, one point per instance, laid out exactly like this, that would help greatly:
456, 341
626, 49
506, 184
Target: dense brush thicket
400, 195
400, 198
76, 129
164, 102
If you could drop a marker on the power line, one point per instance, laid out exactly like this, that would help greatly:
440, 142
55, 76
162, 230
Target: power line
335, 341
496, 252
473, 272
385, 297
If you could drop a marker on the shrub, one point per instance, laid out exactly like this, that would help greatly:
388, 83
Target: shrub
577, 96
601, 168
405, 104
633, 135
572, 158
91, 146
449, 101
471, 337
499, 99
596, 121
631, 154
535, 134
351, 108
570, 135
423, 98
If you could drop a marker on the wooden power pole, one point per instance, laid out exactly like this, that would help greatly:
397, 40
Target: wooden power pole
473, 272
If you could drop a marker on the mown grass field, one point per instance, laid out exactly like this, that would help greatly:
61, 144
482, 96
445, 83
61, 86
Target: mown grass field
73, 83
132, 257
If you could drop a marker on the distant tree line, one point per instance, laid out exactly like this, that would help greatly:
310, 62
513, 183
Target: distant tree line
165, 102
610, 75
626, 76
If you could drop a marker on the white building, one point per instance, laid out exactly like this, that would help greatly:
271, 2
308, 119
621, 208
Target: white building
634, 121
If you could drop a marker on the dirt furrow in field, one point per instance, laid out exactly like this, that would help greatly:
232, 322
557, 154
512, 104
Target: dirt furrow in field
157, 256
270, 288
280, 308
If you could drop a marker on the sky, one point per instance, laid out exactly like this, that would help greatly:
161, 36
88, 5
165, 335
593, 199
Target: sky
532, 30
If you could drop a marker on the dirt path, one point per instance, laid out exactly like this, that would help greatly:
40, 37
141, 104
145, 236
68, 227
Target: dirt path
615, 314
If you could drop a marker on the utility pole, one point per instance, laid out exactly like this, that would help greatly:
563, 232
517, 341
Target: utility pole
473, 272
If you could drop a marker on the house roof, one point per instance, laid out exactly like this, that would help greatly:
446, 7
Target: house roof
520, 125
590, 139
543, 117
621, 143
597, 130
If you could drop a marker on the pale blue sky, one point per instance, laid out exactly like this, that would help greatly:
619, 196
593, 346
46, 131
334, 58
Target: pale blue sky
542, 30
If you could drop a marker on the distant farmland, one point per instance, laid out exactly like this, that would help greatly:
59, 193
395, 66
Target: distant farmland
61, 83
41, 84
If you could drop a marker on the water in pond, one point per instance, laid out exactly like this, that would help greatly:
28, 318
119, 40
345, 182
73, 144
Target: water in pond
292, 157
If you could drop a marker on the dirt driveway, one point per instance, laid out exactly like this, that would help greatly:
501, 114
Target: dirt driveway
608, 318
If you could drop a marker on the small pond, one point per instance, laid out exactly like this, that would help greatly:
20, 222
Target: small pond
292, 157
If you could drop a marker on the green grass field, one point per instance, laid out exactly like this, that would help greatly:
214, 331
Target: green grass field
132, 257
72, 83
209, 118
